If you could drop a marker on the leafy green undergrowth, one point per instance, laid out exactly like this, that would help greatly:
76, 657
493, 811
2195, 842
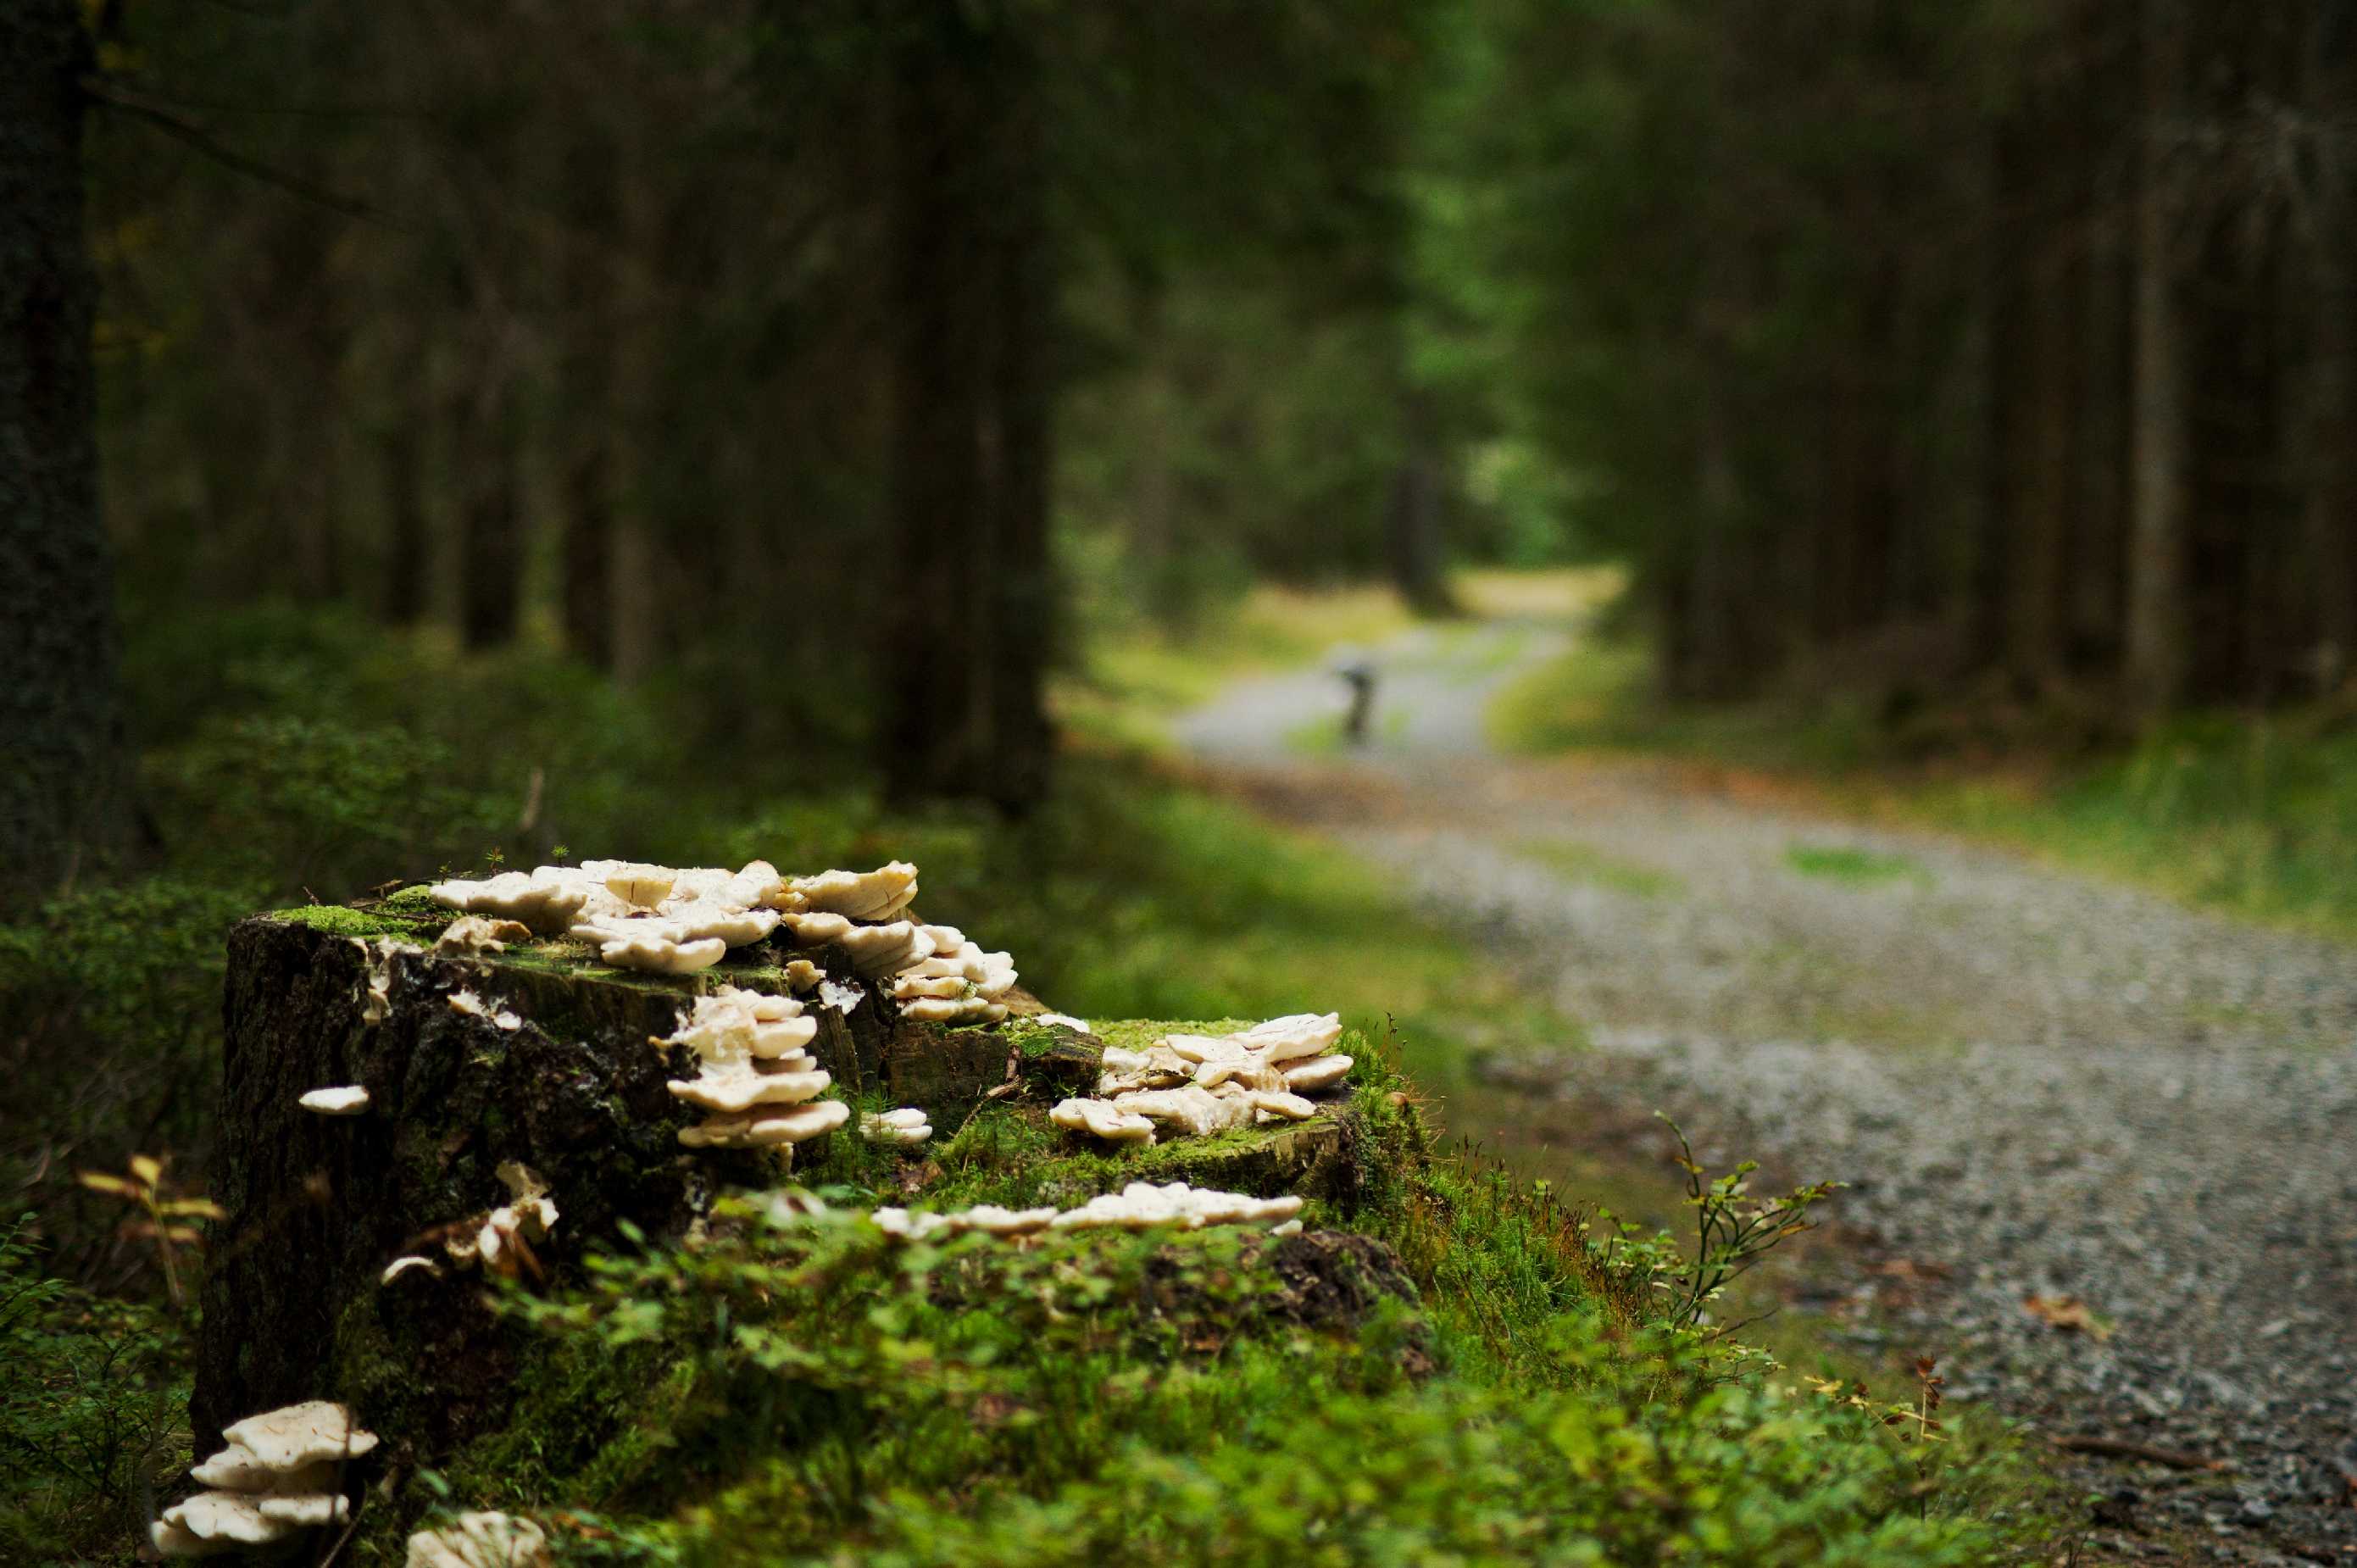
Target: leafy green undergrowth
1448, 1367
319, 758
2252, 814
92, 1392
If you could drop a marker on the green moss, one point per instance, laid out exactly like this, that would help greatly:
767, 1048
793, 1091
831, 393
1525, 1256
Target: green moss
416, 899
343, 920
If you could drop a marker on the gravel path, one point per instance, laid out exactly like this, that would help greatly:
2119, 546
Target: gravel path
2038, 1085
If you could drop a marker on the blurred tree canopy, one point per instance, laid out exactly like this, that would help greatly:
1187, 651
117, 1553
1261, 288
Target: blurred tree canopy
846, 361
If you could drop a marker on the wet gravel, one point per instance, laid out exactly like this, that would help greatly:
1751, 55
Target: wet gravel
2039, 1087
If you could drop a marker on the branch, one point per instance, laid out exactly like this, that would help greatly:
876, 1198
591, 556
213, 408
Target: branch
195, 135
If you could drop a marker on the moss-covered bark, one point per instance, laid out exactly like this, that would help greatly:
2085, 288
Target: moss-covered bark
295, 1306
319, 1205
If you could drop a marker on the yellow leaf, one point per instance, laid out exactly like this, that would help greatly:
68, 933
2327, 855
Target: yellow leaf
99, 1181
147, 1168
184, 1234
201, 1208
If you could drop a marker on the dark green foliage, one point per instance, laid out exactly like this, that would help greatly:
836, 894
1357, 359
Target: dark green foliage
91, 1395
798, 1387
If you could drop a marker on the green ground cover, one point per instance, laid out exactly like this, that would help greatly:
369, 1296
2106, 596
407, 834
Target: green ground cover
2252, 814
806, 1392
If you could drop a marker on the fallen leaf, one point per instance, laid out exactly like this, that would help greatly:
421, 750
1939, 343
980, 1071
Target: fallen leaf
2067, 1313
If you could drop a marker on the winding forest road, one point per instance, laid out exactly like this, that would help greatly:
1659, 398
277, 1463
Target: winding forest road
2038, 1085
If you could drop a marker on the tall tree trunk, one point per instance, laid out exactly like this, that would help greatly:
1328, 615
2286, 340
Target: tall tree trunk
402, 460
490, 524
64, 790
2043, 513
2156, 663
1154, 556
964, 649
1412, 534
2328, 474
584, 391
1020, 639
633, 606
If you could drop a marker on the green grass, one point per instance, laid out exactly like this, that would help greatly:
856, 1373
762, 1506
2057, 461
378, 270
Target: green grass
1165, 1399
2253, 815
1071, 1402
1586, 862
1853, 867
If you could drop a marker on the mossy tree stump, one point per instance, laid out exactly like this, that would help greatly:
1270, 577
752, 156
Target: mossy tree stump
573, 1086
319, 1205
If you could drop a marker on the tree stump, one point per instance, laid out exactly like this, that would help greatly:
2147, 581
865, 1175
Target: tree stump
567, 1083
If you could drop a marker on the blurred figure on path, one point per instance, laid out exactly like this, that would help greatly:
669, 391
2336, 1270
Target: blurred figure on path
1357, 672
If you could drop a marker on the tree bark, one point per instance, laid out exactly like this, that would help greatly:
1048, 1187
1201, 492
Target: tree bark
584, 391
408, 535
2329, 475
2155, 652
295, 1302
490, 527
962, 660
633, 608
64, 791
1412, 536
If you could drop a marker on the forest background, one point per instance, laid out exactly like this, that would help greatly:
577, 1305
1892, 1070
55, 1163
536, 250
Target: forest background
750, 427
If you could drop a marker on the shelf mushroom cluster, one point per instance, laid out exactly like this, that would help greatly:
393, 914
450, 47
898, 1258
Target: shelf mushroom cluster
755, 1074
909, 1124
652, 917
1193, 1085
500, 1241
937, 974
484, 1539
1140, 1206
277, 1475
672, 922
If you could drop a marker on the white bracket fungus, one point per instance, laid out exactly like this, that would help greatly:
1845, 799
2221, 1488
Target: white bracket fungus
1317, 1072
1156, 1067
953, 980
1190, 1108
754, 1072
1102, 1119
276, 1476
1277, 1104
877, 894
906, 1125
765, 1127
467, 1003
1200, 1084
1140, 1206
651, 918
376, 1000
500, 1240
817, 930
658, 954
472, 934
1289, 1054
734, 1022
485, 1540
987, 1218
887, 949
348, 1100
640, 887
547, 899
